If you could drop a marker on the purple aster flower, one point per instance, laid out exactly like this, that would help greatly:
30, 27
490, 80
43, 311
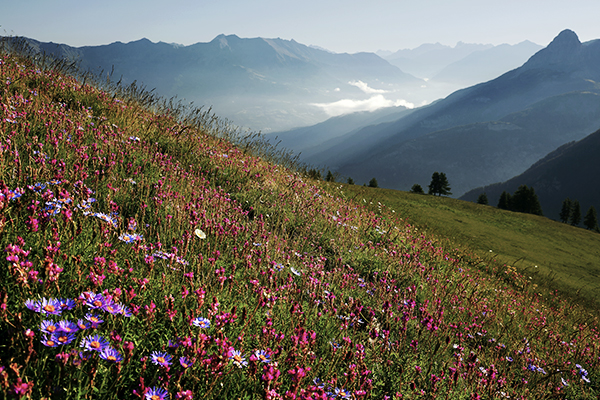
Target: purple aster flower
48, 327
49, 341
237, 358
64, 337
126, 311
67, 326
83, 325
113, 308
185, 363
155, 393
342, 394
67, 304
33, 305
262, 356
110, 354
161, 358
94, 343
94, 320
201, 322
50, 306
96, 302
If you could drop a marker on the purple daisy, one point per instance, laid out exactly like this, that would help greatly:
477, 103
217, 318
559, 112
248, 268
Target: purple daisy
237, 358
48, 327
96, 302
67, 326
94, 320
161, 358
201, 322
185, 363
262, 356
156, 393
50, 306
110, 354
64, 337
94, 343
67, 304
49, 341
113, 308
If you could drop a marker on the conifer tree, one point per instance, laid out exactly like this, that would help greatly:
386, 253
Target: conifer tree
565, 211
526, 201
373, 183
350, 181
505, 200
575, 213
482, 199
416, 188
329, 177
439, 184
591, 219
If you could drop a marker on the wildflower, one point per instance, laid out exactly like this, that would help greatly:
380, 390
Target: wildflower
67, 326
185, 395
110, 354
155, 393
33, 305
98, 301
64, 337
130, 237
161, 358
94, 343
94, 320
279, 267
200, 234
113, 308
50, 306
132, 225
48, 327
238, 359
262, 356
106, 218
201, 322
342, 393
294, 271
38, 187
66, 304
83, 325
49, 341
185, 363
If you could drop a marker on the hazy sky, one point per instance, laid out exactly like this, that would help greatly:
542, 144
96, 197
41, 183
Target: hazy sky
338, 25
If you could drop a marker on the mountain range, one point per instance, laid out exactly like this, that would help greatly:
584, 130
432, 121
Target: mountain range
483, 134
261, 84
275, 84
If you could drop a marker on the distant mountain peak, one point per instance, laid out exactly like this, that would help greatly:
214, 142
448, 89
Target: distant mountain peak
566, 42
563, 50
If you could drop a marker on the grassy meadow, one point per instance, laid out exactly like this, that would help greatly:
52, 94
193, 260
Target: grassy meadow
153, 252
555, 255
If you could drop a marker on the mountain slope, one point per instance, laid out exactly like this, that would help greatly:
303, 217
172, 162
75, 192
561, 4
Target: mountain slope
259, 83
565, 66
569, 171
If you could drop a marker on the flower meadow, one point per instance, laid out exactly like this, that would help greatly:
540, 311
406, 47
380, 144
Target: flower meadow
146, 256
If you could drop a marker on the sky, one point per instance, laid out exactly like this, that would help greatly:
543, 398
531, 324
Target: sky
341, 26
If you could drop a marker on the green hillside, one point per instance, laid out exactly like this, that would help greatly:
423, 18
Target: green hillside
555, 255
152, 251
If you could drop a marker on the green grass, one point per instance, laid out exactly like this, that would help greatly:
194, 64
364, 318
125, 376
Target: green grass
555, 255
